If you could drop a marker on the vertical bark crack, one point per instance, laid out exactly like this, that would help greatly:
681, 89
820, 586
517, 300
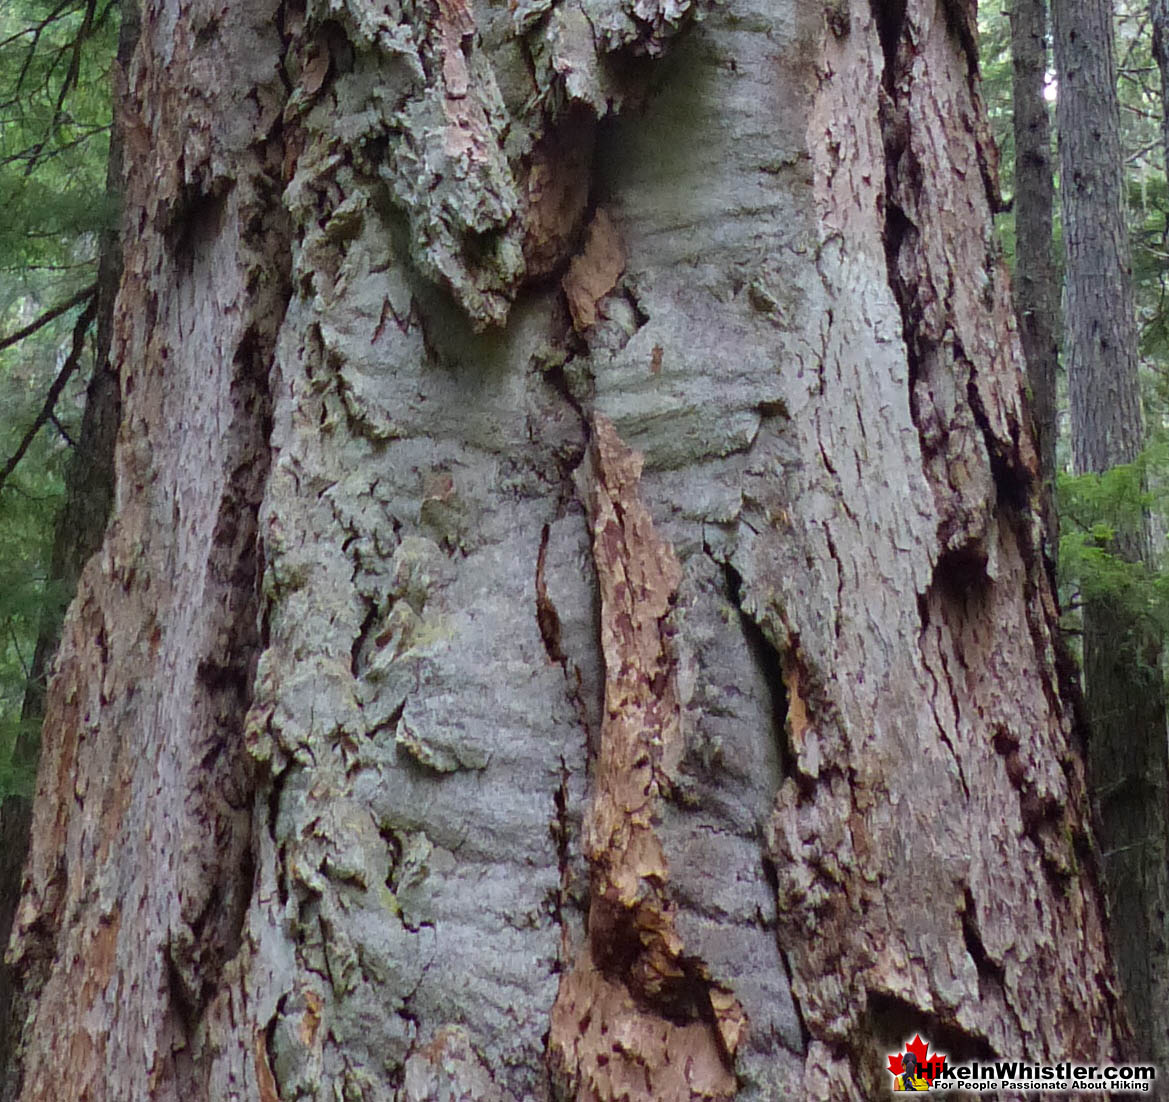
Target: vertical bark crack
636, 1016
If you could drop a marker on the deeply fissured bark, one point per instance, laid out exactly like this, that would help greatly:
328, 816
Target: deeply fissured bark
817, 626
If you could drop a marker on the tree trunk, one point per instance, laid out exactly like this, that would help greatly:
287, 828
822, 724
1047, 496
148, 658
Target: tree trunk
575, 622
78, 532
1036, 282
1128, 757
1159, 17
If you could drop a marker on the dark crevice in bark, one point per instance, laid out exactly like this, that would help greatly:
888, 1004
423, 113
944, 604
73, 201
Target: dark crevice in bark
943, 734
393, 844
768, 660
947, 583
618, 952
557, 377
960, 573
838, 625
987, 968
562, 834
561, 170
546, 616
990, 972
391, 723
196, 219
892, 1020
1014, 484
356, 658
899, 233
271, 803
890, 19
266, 1040
1045, 818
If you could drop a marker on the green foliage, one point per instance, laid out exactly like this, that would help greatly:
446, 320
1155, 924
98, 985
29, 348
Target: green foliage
1095, 513
1093, 510
54, 127
55, 60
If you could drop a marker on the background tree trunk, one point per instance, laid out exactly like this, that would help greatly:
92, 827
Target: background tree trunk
1036, 282
89, 494
1159, 17
1128, 756
564, 772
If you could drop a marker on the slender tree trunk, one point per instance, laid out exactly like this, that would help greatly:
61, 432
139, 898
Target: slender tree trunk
89, 492
575, 622
1159, 17
1128, 764
1036, 283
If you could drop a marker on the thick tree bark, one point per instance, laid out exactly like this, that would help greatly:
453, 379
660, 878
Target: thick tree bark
1128, 756
1036, 283
624, 457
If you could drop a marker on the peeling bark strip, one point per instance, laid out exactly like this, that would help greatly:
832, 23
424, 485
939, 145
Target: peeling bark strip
594, 273
636, 1018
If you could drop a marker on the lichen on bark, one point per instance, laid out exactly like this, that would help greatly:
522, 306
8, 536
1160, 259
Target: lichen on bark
457, 120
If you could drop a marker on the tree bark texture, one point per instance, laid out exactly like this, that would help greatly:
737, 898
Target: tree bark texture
575, 624
1036, 282
1128, 751
1101, 342
1159, 18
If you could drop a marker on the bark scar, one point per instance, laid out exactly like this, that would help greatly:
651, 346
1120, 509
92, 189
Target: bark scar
635, 1016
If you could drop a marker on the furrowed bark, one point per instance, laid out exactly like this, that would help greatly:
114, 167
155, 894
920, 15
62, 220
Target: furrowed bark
1159, 18
561, 781
1036, 280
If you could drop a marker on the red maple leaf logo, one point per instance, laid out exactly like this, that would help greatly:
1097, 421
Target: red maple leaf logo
920, 1050
929, 1067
